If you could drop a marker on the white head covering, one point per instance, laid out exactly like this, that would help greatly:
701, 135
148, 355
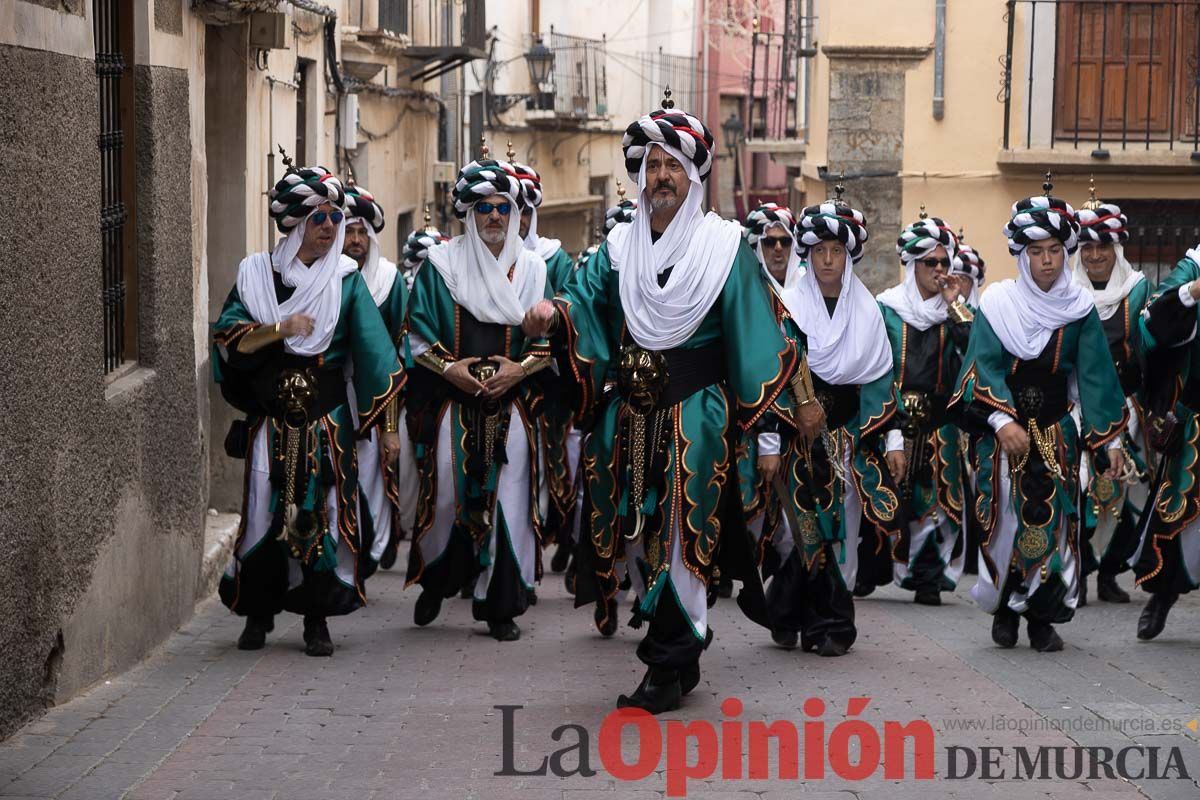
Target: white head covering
478, 281
786, 292
851, 347
318, 287
545, 248
1024, 317
378, 272
1120, 283
701, 248
917, 241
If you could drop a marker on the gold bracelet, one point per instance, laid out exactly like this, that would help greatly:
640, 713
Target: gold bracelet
391, 416
959, 313
554, 322
258, 338
533, 363
433, 362
801, 385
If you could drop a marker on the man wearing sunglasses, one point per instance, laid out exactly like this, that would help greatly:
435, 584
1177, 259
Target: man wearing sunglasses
298, 319
385, 461
928, 325
475, 413
671, 306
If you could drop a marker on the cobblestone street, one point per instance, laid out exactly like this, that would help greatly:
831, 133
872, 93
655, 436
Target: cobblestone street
402, 712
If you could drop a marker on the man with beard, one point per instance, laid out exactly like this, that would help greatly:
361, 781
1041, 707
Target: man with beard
475, 411
378, 467
297, 320
672, 307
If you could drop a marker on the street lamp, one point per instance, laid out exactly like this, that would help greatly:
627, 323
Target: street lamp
732, 129
540, 60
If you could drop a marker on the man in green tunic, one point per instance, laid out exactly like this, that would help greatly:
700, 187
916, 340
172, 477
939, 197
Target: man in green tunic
299, 319
1036, 343
928, 327
1112, 507
475, 409
381, 473
672, 309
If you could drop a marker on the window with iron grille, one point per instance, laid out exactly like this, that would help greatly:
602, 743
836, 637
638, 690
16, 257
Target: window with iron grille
393, 16
1160, 232
113, 30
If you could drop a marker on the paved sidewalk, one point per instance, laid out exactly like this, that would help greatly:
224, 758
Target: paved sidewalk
401, 712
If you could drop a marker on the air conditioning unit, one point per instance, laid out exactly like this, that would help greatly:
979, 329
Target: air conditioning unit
444, 172
348, 120
269, 30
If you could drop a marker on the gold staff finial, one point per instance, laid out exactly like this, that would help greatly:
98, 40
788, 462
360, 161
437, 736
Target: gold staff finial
667, 102
923, 215
484, 152
962, 237
289, 165
620, 192
349, 176
428, 219
512, 154
1048, 187
755, 24
1093, 203
839, 189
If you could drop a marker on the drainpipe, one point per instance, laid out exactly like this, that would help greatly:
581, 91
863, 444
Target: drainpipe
939, 59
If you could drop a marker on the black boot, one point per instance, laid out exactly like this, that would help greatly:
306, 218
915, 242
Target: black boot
569, 577
1006, 626
1154, 615
784, 638
659, 691
316, 636
1108, 590
504, 631
1043, 637
428, 606
689, 677
466, 592
254, 635
605, 617
832, 648
1082, 600
725, 588
863, 588
928, 596
562, 556
388, 559
533, 597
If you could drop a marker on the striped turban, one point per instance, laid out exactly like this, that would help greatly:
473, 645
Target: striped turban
763, 217
416, 247
1105, 224
300, 191
586, 256
1038, 218
968, 262
674, 128
531, 185
361, 205
830, 221
619, 214
482, 179
924, 236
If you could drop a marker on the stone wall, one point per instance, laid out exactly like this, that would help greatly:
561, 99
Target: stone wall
102, 483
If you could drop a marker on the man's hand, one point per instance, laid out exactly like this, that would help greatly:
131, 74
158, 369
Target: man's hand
1014, 441
538, 319
510, 375
810, 420
297, 325
1116, 463
1194, 290
390, 442
768, 467
897, 464
949, 290
461, 378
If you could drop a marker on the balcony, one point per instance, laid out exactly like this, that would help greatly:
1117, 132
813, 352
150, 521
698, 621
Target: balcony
781, 52
446, 34
1101, 85
576, 90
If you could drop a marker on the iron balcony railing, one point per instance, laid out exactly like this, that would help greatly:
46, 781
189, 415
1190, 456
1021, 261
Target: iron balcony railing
1102, 75
577, 86
660, 70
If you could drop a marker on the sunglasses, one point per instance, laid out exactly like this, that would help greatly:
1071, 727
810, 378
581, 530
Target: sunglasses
934, 263
776, 242
487, 208
319, 217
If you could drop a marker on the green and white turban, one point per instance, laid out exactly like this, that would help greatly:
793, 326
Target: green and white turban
361, 205
1105, 224
619, 214
1039, 218
482, 179
924, 236
416, 247
831, 221
762, 218
300, 191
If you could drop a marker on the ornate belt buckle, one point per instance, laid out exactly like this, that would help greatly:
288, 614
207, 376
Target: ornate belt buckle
1029, 401
919, 411
296, 390
642, 377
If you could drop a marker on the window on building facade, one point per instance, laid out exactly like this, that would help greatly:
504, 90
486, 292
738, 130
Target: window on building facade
393, 16
1126, 68
1160, 232
303, 71
113, 30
